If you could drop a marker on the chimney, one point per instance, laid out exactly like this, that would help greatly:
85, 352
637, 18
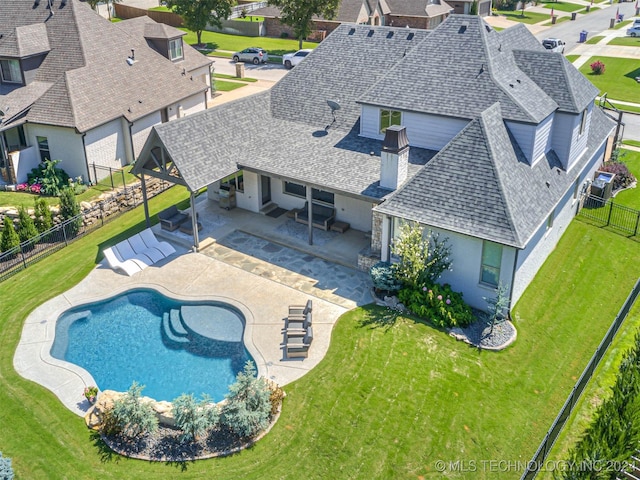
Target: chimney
394, 157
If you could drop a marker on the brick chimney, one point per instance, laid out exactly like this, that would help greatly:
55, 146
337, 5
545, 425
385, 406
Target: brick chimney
394, 157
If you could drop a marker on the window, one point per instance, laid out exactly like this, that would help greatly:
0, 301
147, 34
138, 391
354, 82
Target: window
295, 189
237, 180
583, 121
322, 196
491, 260
388, 118
43, 146
175, 49
11, 71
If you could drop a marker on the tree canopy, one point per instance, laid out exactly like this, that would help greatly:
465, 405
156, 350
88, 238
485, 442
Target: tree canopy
298, 13
196, 14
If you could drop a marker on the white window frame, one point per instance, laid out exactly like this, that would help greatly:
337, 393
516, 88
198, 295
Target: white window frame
391, 112
583, 121
43, 146
235, 179
496, 270
176, 50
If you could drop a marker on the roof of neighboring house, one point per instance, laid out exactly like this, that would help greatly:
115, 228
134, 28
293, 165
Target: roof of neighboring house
153, 29
352, 11
91, 81
480, 184
418, 8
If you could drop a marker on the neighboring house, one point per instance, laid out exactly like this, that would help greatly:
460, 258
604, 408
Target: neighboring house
77, 88
480, 135
426, 14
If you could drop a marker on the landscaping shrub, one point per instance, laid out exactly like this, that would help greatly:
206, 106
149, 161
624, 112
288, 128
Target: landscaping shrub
134, 417
597, 67
43, 218
6, 471
438, 304
497, 306
275, 397
26, 228
248, 404
623, 178
614, 433
383, 277
422, 258
10, 239
69, 208
51, 179
194, 418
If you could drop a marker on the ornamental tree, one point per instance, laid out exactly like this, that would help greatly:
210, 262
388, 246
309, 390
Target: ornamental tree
298, 14
134, 416
197, 14
9, 239
192, 417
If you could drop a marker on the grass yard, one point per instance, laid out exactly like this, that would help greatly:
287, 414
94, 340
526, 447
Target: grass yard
233, 77
631, 197
623, 24
563, 6
391, 397
249, 18
222, 86
23, 199
572, 58
558, 20
625, 41
528, 17
594, 40
618, 80
234, 43
633, 143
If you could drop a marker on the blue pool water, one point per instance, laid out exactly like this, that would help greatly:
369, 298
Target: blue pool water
170, 347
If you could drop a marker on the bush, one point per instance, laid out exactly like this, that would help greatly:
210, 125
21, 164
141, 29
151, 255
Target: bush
51, 179
623, 178
69, 208
597, 67
284, 35
248, 404
44, 219
275, 397
194, 418
10, 239
26, 228
134, 417
439, 304
383, 277
6, 471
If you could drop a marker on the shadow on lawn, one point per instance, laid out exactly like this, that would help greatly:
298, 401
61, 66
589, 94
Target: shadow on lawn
106, 454
633, 74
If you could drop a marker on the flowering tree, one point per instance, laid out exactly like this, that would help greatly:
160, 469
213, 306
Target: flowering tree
597, 67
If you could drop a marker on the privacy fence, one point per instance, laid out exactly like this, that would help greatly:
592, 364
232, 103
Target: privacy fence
606, 213
59, 236
538, 461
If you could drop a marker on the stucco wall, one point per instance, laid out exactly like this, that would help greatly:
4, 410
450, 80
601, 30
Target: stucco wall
140, 131
190, 105
105, 145
64, 144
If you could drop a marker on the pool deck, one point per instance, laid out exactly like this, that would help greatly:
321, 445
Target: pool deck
261, 289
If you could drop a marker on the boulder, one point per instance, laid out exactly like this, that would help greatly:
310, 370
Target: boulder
86, 206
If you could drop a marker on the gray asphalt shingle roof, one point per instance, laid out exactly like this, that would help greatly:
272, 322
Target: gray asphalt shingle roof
418, 8
348, 11
86, 66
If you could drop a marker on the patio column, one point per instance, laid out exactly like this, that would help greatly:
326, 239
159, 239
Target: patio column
385, 244
144, 201
194, 222
310, 213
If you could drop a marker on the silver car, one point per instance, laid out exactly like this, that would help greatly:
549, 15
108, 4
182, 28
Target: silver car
254, 55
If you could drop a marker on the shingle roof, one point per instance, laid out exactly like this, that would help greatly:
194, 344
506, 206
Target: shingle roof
92, 82
341, 69
160, 30
481, 185
348, 11
417, 8
302, 153
484, 71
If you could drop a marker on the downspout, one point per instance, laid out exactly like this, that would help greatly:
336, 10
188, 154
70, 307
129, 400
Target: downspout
310, 212
133, 153
86, 157
513, 279
194, 222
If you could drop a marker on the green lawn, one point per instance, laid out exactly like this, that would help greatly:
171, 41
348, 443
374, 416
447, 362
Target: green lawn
572, 58
249, 18
233, 77
160, 9
558, 20
630, 198
625, 41
620, 25
22, 199
563, 6
594, 40
618, 80
626, 108
234, 43
633, 143
223, 86
391, 397
529, 17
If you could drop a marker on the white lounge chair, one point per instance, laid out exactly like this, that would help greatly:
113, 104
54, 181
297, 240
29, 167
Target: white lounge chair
140, 247
150, 240
128, 266
128, 253
122, 258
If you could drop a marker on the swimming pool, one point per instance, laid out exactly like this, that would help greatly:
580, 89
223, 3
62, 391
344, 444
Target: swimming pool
172, 347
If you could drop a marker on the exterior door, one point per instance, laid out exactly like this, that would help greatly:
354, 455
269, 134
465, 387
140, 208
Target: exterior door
266, 189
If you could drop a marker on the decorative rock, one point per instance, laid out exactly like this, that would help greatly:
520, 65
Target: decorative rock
86, 206
164, 412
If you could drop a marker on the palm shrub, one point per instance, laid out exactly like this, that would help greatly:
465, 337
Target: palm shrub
26, 228
10, 239
248, 405
43, 218
438, 304
194, 418
133, 416
6, 470
70, 209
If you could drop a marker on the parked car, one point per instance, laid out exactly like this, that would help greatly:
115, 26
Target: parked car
553, 44
290, 60
255, 55
634, 31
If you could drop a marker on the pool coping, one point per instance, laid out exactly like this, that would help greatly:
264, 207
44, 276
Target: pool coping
55, 374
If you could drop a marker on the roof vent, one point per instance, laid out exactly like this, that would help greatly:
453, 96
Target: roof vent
488, 27
131, 59
410, 36
390, 35
36, 3
351, 31
370, 34
463, 27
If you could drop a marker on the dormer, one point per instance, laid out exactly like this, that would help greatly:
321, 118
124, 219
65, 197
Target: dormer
165, 40
21, 53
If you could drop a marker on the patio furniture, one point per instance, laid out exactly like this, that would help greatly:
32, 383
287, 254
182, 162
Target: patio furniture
139, 247
187, 225
340, 227
322, 215
128, 266
296, 325
171, 218
150, 240
127, 253
298, 346
301, 310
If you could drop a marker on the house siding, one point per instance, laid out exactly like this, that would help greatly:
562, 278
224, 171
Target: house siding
203, 74
64, 144
105, 146
525, 135
190, 105
542, 139
562, 135
544, 241
579, 142
140, 131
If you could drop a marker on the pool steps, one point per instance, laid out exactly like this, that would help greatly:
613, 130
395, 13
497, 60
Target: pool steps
177, 327
168, 333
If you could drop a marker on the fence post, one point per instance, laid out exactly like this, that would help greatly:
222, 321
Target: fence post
635, 230
95, 174
101, 206
64, 234
111, 178
123, 181
24, 261
610, 210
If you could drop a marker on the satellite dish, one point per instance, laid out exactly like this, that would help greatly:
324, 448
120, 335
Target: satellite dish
333, 105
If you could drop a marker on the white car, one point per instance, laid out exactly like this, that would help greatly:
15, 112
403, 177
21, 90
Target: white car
553, 44
634, 31
290, 60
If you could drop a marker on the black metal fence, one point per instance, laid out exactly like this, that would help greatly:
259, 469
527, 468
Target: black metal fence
107, 176
609, 214
538, 460
59, 236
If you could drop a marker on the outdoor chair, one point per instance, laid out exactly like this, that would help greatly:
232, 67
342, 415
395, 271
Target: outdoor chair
150, 240
127, 253
298, 324
298, 346
300, 310
139, 247
171, 218
128, 266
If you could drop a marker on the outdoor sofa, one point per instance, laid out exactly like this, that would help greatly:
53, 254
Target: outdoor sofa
171, 218
322, 215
